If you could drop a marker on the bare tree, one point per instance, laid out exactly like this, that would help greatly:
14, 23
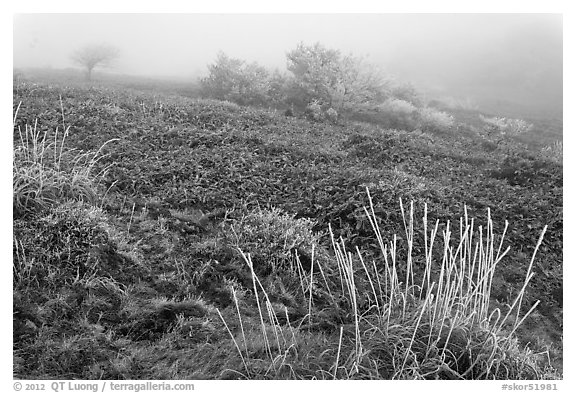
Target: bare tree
95, 55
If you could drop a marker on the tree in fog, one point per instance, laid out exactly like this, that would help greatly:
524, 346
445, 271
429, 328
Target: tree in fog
94, 55
334, 80
316, 72
237, 81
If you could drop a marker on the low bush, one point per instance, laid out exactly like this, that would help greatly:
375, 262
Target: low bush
432, 120
274, 238
314, 111
393, 113
332, 115
400, 114
504, 125
234, 80
64, 244
397, 113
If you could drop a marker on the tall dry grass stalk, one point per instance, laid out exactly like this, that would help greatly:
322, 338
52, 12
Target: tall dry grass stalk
45, 172
436, 320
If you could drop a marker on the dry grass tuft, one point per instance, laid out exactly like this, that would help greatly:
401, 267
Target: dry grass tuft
435, 324
46, 173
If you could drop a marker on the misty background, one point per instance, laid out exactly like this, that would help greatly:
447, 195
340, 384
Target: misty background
491, 59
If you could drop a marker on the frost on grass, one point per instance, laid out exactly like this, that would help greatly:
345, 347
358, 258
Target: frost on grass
46, 172
438, 323
505, 125
273, 238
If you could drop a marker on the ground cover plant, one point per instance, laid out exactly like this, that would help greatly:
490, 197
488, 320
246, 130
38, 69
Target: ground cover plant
162, 237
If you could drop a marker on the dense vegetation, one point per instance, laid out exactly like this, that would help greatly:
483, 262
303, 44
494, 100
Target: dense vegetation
163, 237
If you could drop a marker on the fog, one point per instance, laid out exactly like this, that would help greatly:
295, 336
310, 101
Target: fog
511, 57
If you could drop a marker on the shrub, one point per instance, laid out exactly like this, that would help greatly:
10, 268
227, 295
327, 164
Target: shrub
403, 115
332, 115
341, 82
314, 111
65, 243
273, 238
397, 106
316, 71
504, 125
278, 84
392, 113
433, 120
234, 80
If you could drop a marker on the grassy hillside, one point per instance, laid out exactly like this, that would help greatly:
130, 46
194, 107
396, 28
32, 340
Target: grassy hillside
162, 237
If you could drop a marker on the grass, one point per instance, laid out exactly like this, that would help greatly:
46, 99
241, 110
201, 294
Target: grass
426, 326
46, 173
217, 241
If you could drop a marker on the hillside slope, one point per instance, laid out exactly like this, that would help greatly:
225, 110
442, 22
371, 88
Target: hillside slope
136, 281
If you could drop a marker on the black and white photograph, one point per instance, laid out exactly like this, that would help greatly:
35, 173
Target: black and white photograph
286, 196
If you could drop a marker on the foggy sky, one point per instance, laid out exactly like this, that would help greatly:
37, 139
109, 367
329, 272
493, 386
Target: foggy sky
518, 54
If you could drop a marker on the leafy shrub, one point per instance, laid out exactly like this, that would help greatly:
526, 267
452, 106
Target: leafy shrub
332, 115
433, 120
341, 82
314, 111
233, 80
397, 106
392, 113
318, 74
504, 125
403, 115
273, 238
